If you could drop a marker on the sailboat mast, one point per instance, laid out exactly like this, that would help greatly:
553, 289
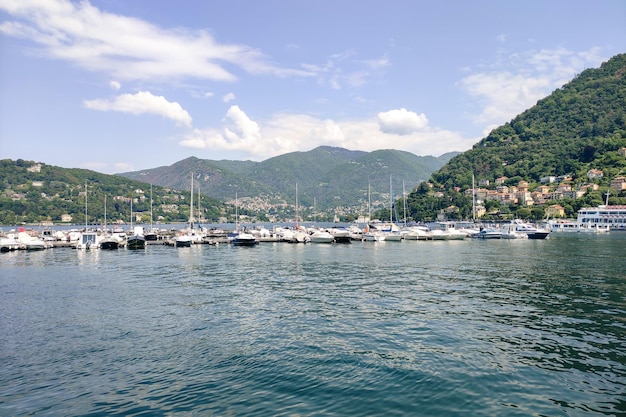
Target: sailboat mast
390, 201
296, 218
151, 207
473, 200
85, 205
191, 205
105, 213
404, 199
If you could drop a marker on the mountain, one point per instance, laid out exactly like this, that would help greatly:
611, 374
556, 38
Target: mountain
579, 127
326, 176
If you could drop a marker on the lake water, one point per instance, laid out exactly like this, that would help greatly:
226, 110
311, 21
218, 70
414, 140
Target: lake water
460, 328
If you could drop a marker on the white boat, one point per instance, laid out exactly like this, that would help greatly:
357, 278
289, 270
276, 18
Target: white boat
88, 240
509, 232
488, 234
9, 243
340, 234
321, 236
531, 231
612, 216
29, 242
416, 233
244, 239
183, 240
570, 226
445, 231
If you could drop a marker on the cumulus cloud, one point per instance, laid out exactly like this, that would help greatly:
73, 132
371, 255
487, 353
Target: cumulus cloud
503, 93
284, 133
115, 85
401, 122
129, 48
228, 98
143, 102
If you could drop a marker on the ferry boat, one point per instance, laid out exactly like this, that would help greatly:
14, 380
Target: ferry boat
614, 217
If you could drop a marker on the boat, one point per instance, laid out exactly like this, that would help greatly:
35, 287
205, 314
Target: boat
509, 232
570, 226
445, 231
244, 239
532, 232
241, 238
612, 216
183, 240
29, 242
322, 236
9, 243
340, 234
88, 240
416, 233
110, 242
137, 240
488, 234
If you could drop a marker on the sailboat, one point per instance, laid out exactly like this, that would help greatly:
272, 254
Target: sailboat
241, 238
88, 239
109, 241
152, 233
184, 239
137, 240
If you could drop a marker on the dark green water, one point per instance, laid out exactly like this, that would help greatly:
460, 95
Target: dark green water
480, 328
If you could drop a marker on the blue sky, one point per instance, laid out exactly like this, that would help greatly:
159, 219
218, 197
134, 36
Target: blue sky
118, 85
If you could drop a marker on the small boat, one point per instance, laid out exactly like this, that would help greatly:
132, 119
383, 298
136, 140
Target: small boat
244, 239
530, 231
110, 242
322, 236
488, 234
88, 240
183, 241
340, 234
509, 232
9, 243
137, 240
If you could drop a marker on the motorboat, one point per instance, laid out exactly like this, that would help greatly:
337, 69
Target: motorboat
88, 240
509, 232
322, 236
488, 234
137, 240
244, 239
183, 240
340, 234
529, 230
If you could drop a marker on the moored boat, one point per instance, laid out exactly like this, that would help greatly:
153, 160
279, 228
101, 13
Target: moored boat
137, 240
244, 239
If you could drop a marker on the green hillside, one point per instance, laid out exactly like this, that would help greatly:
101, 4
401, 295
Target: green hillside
579, 127
327, 177
32, 192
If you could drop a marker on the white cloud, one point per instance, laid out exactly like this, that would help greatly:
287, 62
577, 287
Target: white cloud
228, 98
285, 133
401, 122
128, 48
143, 102
518, 80
115, 85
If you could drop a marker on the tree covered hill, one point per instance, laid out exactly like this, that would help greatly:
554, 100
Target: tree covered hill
578, 127
33, 192
326, 176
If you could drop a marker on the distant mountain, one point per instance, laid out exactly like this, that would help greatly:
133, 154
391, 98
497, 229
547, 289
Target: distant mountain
579, 127
325, 176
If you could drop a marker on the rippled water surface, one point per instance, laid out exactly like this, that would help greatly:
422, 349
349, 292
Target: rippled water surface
491, 328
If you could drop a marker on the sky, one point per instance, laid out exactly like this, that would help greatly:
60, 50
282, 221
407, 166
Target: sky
125, 85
